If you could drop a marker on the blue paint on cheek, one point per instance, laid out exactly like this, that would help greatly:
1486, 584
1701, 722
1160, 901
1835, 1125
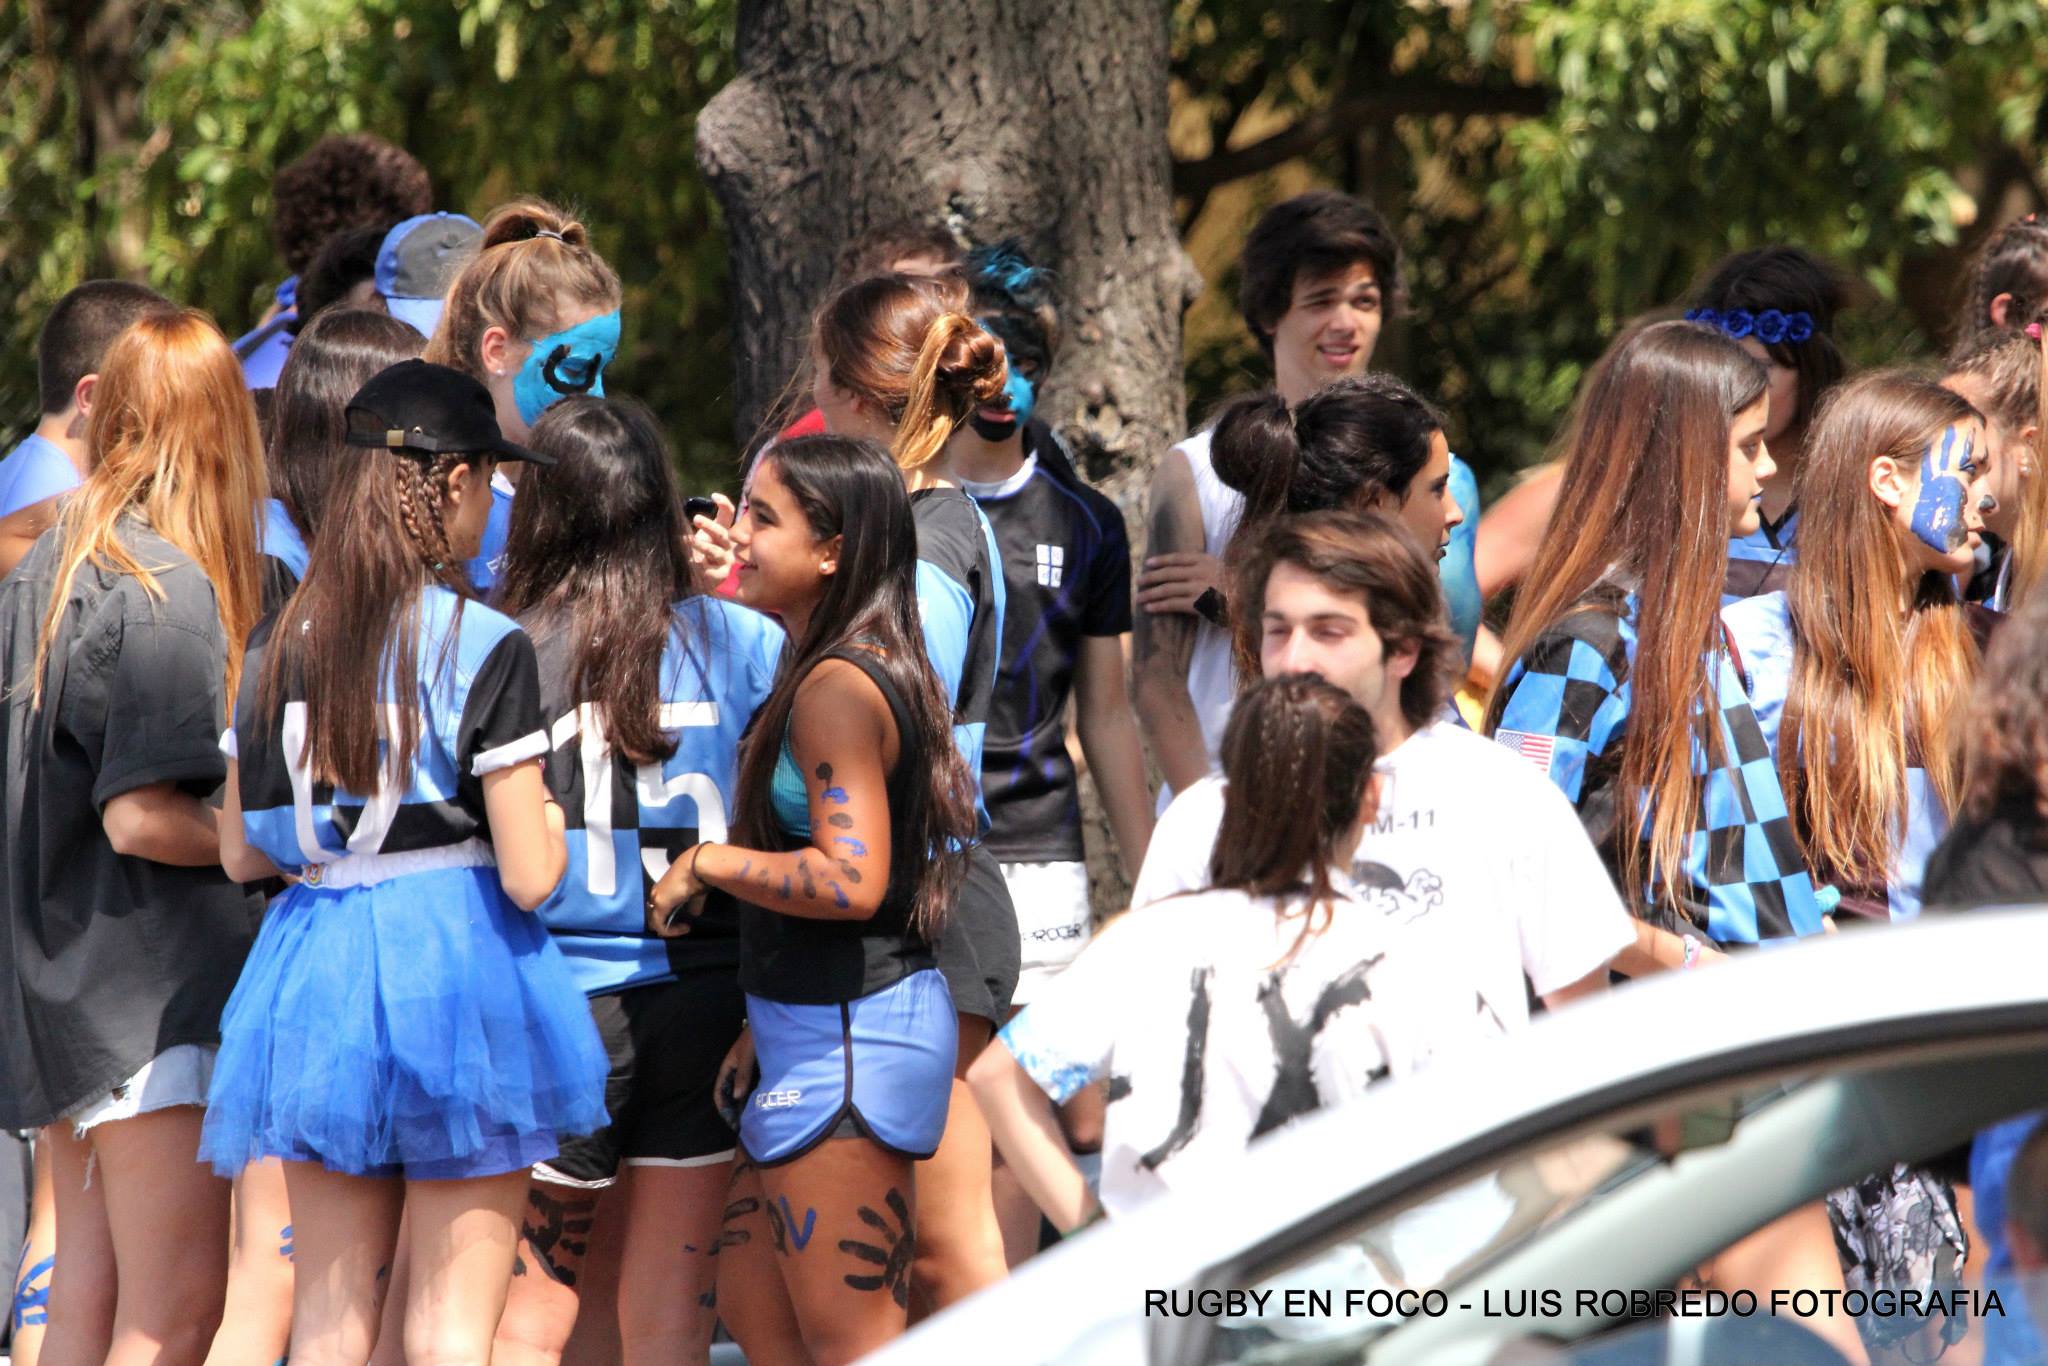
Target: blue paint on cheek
284, 1242
1023, 396
571, 361
31, 1306
857, 848
1938, 509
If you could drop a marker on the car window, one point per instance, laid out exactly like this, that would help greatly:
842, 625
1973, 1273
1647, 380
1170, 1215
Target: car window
1375, 1274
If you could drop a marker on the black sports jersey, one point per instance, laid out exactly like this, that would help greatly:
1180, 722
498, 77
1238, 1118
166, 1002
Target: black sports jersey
626, 822
478, 709
802, 961
1067, 564
960, 596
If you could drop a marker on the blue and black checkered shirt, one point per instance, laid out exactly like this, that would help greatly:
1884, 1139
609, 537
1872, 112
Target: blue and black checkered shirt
1761, 562
1744, 877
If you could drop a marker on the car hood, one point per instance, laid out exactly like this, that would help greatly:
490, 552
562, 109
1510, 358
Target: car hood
1084, 1301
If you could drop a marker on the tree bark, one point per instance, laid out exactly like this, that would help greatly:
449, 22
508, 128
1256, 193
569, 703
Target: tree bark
99, 42
1039, 119
1043, 120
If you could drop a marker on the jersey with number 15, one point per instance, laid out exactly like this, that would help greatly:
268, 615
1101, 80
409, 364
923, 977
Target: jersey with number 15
627, 821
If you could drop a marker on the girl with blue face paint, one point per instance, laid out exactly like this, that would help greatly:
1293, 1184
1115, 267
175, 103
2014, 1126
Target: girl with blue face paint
1860, 675
535, 318
1858, 671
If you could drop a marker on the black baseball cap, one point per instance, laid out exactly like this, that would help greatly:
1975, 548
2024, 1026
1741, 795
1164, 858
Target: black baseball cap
416, 405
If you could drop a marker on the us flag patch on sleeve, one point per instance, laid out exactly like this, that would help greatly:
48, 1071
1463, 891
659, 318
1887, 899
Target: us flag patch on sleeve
1535, 748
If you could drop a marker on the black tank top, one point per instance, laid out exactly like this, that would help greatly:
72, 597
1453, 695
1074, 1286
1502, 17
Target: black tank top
823, 962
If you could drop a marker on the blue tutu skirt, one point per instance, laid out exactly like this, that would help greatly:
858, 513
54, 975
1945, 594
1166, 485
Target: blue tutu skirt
421, 1026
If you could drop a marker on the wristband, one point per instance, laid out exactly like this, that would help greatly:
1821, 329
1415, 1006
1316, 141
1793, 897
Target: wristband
696, 854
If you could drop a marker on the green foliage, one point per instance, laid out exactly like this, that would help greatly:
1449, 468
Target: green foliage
589, 104
1883, 134
1874, 132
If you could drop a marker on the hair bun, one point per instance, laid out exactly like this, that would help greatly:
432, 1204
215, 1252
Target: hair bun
1253, 448
523, 220
970, 359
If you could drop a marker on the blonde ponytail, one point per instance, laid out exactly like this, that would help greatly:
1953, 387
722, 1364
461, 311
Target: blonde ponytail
958, 367
908, 346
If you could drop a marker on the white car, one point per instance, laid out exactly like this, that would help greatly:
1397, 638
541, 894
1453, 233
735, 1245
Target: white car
1528, 1202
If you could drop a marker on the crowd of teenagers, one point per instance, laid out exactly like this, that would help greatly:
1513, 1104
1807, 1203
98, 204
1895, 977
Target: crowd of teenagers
468, 898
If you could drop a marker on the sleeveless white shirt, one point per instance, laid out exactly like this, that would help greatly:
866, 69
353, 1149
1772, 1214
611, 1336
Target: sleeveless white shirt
1212, 680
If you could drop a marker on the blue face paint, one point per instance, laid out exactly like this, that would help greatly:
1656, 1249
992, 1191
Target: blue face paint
571, 361
1945, 470
1023, 395
1025, 354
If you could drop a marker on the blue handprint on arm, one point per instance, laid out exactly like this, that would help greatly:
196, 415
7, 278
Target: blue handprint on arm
1945, 467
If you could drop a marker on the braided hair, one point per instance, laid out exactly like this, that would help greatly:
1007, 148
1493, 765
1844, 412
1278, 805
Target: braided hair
381, 542
2012, 262
1298, 755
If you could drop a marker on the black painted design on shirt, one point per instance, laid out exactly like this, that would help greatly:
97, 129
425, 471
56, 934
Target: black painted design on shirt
1294, 1084
1193, 1065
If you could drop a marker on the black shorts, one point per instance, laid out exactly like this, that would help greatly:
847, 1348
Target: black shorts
665, 1042
978, 948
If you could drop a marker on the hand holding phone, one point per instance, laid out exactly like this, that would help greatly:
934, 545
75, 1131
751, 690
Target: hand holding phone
709, 528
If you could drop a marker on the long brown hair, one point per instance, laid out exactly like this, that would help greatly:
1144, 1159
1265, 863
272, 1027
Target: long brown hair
1297, 754
2006, 735
596, 550
377, 546
849, 488
1644, 505
174, 438
907, 345
532, 254
333, 356
1883, 657
2013, 368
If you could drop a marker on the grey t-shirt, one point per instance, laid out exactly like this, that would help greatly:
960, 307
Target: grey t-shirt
107, 960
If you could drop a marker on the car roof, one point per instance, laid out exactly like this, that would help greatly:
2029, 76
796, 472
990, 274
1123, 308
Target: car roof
1782, 1005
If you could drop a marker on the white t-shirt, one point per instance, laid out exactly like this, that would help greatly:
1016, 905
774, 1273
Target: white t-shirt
1466, 832
1209, 1038
1212, 680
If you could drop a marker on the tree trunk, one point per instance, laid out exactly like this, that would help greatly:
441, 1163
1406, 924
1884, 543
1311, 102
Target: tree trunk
100, 38
1039, 119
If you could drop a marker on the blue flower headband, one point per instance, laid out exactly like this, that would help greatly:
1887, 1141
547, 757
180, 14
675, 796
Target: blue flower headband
1769, 327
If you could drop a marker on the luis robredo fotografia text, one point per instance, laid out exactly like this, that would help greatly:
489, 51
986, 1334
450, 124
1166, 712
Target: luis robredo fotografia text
1382, 1303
